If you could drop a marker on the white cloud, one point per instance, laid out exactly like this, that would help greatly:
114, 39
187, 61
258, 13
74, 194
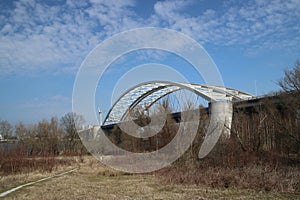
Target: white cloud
37, 36
61, 98
43, 37
168, 10
266, 22
46, 102
40, 107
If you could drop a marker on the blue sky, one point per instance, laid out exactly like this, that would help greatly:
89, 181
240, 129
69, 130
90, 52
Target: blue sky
43, 43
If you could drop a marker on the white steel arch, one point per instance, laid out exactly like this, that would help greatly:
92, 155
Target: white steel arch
149, 92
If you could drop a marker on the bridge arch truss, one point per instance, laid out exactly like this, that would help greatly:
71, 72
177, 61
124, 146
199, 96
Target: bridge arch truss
150, 92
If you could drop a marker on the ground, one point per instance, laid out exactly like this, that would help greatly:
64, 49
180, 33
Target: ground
92, 180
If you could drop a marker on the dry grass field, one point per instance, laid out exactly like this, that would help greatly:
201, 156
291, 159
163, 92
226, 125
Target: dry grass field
94, 181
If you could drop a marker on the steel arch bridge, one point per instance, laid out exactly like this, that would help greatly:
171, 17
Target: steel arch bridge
150, 92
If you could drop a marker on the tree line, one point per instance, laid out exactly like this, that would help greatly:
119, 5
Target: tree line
54, 136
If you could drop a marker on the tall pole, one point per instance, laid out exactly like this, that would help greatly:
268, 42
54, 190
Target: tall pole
100, 116
255, 85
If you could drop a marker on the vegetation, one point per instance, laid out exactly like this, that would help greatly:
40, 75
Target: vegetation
134, 144
262, 153
70, 123
37, 145
5, 130
94, 181
291, 80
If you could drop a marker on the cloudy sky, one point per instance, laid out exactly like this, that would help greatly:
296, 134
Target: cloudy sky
44, 42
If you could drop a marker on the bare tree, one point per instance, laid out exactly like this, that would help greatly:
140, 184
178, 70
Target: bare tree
291, 80
70, 123
21, 131
55, 134
6, 129
48, 136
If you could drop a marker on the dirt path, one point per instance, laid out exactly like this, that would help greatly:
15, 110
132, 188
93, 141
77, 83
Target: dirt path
94, 181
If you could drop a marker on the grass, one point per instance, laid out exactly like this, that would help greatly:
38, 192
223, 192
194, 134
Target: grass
95, 181
8, 181
256, 177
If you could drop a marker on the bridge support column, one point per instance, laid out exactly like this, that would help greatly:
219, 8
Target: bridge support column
219, 125
221, 115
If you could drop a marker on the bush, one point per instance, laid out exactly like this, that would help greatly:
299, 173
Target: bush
15, 159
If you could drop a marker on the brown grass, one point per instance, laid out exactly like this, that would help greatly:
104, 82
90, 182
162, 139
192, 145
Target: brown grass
260, 178
227, 166
16, 161
95, 181
8, 181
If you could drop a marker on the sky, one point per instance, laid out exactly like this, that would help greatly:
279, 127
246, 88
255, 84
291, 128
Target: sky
43, 44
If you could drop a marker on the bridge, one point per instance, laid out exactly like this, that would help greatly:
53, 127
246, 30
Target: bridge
220, 99
145, 95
